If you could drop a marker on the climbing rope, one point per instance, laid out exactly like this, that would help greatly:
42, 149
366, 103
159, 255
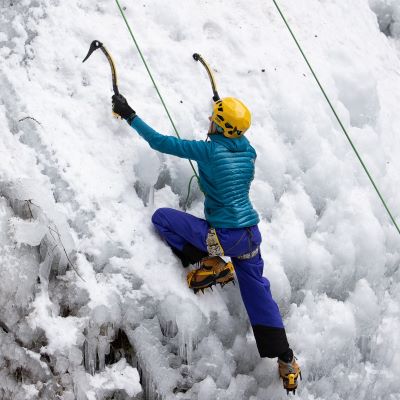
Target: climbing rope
158, 92
189, 189
337, 116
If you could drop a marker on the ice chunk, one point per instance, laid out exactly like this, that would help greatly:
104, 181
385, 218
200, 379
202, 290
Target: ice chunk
241, 387
147, 170
34, 201
214, 361
62, 333
119, 376
28, 232
365, 308
388, 14
207, 389
156, 375
183, 319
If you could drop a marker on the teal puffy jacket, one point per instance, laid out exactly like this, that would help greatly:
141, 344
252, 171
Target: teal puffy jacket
226, 170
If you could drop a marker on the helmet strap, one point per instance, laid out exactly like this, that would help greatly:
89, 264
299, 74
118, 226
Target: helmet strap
212, 129
219, 129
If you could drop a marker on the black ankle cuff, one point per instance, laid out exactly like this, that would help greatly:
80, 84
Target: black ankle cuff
184, 260
193, 254
287, 356
189, 254
271, 342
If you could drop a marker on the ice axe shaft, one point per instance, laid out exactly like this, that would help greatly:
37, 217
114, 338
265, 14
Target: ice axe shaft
98, 45
198, 57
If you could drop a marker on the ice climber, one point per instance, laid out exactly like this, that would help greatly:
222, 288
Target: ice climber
226, 170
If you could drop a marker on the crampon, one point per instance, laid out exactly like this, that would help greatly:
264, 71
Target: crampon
289, 373
212, 271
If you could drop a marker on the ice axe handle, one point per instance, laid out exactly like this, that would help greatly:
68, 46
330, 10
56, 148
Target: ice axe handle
96, 44
198, 57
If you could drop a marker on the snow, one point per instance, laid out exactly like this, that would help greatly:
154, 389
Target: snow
79, 260
120, 376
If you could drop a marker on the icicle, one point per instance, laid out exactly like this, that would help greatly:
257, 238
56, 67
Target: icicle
104, 340
47, 255
90, 347
90, 356
186, 346
151, 196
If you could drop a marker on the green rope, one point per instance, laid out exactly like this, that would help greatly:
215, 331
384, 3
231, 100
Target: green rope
156, 87
337, 117
189, 188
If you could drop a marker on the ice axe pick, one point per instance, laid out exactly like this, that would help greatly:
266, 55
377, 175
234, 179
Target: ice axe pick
96, 44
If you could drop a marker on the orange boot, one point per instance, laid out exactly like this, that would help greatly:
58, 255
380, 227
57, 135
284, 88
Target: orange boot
289, 372
212, 270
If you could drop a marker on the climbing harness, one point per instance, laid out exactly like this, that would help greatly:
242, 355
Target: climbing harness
336, 115
214, 247
249, 255
198, 57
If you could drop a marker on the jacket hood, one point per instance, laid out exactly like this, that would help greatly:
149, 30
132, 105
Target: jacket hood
234, 145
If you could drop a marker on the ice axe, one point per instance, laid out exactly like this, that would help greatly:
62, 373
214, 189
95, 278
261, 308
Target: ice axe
96, 44
198, 57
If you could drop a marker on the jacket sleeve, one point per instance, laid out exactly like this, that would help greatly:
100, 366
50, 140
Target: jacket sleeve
192, 149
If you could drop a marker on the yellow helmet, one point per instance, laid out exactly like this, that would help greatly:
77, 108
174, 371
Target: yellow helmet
232, 116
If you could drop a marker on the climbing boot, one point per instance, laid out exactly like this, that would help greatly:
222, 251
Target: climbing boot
212, 271
289, 372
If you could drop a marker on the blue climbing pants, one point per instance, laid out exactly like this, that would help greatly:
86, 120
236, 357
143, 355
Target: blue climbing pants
187, 235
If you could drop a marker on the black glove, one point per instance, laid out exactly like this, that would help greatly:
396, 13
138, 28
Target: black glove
121, 107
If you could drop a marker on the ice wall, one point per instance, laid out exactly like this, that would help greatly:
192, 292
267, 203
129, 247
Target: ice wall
92, 304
